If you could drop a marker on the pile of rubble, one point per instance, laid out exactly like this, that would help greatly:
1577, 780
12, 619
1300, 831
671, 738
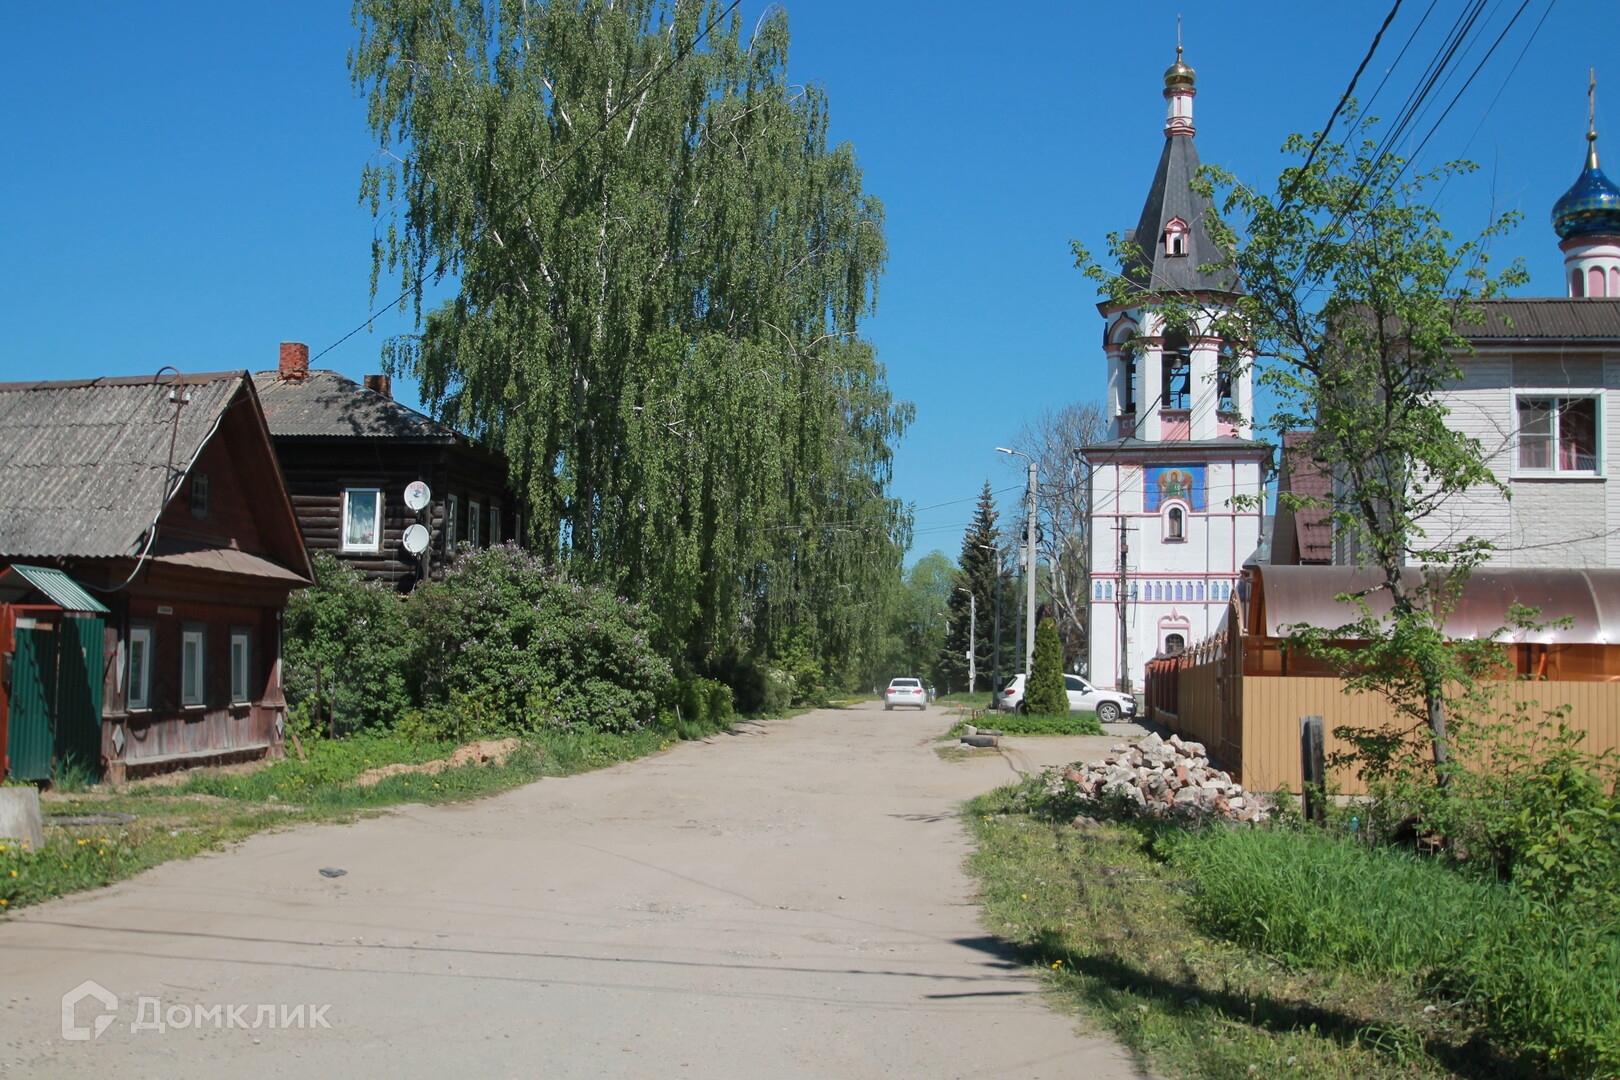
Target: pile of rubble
1166, 776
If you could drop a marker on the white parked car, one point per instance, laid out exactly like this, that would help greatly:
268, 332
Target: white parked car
905, 692
1111, 706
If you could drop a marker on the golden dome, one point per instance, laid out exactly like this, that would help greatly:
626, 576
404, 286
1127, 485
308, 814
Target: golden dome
1178, 73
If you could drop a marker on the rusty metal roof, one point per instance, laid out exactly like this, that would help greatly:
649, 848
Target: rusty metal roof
325, 404
232, 561
86, 465
1556, 317
1589, 599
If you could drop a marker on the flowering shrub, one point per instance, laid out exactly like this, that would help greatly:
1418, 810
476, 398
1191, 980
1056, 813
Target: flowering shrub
345, 651
536, 650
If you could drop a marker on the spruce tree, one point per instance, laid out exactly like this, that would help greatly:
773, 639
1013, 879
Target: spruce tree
976, 572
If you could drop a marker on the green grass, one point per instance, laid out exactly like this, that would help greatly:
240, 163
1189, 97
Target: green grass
1075, 723
1113, 919
215, 808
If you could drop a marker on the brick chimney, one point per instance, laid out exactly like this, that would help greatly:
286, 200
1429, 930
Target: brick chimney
382, 384
294, 361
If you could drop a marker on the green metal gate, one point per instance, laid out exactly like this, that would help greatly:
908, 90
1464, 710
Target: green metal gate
33, 687
56, 688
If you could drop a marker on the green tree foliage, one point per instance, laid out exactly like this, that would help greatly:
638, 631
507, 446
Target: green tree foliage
1354, 303
977, 567
915, 628
344, 651
662, 268
1047, 695
506, 646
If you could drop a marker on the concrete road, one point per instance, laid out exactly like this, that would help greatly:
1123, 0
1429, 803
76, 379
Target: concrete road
784, 901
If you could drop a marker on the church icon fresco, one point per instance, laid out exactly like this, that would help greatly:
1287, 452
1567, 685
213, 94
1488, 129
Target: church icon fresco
1184, 482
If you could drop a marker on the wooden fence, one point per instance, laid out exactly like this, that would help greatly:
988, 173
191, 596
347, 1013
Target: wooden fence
1250, 723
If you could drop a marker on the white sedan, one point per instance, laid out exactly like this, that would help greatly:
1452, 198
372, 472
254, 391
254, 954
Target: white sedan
905, 692
1110, 705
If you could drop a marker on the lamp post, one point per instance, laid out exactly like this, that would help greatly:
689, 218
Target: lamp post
1029, 563
973, 642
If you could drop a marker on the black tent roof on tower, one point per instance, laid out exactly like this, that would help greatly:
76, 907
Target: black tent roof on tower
1170, 199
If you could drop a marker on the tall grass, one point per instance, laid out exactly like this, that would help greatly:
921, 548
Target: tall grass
1314, 899
1544, 980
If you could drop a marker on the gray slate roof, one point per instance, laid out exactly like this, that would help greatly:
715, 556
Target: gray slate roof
86, 465
1546, 317
327, 405
1170, 198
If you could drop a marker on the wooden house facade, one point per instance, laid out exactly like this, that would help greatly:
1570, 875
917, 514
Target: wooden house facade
349, 451
161, 496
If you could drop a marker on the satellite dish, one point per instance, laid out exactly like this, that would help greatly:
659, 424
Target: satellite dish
416, 539
417, 494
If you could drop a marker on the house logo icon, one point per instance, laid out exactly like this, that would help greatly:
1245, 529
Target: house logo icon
72, 1030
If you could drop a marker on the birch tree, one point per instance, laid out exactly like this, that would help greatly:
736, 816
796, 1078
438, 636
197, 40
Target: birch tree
662, 268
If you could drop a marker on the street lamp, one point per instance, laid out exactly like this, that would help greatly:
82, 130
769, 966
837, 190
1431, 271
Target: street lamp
973, 643
1029, 564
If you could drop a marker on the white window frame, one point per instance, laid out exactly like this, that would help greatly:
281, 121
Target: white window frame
475, 511
241, 665
350, 495
1167, 533
452, 506
1557, 395
193, 677
138, 678
494, 525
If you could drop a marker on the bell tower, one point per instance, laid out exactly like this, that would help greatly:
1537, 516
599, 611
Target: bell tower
1174, 490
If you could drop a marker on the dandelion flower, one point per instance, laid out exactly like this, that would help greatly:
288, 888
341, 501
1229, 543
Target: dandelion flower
1023, 896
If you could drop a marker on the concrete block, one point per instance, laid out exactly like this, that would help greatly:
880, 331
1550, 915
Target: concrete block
19, 815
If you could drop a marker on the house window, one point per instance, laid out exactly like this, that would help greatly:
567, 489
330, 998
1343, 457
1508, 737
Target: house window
1175, 525
362, 519
1200, 588
241, 658
199, 495
192, 645
1176, 392
452, 507
139, 681
1558, 434
474, 512
1173, 644
494, 525
1175, 237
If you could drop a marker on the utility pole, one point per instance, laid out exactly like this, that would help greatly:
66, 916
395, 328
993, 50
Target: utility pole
1124, 681
973, 639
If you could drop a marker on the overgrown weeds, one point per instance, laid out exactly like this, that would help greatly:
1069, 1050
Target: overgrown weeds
1234, 952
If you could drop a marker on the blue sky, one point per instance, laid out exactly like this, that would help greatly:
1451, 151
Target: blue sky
181, 181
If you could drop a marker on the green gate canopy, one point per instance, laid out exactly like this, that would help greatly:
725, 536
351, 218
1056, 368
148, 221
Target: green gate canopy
64, 592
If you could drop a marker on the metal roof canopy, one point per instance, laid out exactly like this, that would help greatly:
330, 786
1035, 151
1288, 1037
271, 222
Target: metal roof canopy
67, 594
1590, 599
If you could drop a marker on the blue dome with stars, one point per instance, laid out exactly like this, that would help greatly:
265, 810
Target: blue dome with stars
1591, 207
